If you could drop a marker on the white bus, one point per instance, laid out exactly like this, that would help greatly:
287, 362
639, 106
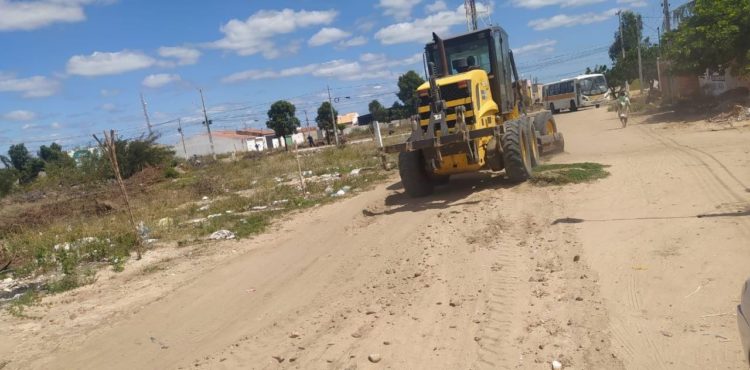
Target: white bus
574, 93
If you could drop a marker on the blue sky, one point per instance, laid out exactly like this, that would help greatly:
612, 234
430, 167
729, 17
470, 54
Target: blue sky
71, 68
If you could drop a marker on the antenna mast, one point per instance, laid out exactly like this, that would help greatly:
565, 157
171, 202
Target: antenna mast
471, 15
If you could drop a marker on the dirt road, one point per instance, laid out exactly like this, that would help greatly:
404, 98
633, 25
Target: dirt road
477, 276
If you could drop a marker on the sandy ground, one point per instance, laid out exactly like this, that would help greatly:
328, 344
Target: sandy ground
478, 276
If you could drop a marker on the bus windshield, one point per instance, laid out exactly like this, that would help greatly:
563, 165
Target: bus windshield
594, 85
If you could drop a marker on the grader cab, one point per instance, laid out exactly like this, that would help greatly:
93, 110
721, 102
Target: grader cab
471, 116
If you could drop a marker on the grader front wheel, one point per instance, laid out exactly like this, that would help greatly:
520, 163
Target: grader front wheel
517, 152
414, 177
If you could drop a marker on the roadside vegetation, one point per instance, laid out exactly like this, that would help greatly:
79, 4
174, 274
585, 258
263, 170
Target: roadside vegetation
67, 224
568, 173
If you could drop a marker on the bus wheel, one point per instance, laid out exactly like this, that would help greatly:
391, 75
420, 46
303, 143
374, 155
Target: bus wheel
573, 107
552, 108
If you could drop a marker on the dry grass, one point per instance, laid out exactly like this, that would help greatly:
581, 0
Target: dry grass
244, 196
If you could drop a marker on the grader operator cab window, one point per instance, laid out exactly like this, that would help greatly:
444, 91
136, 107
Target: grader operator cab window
468, 56
486, 49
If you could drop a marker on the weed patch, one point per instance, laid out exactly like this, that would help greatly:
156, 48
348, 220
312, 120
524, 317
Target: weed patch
572, 173
18, 307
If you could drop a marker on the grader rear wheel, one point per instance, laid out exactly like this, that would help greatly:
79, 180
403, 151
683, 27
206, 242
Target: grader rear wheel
533, 143
516, 152
417, 182
545, 125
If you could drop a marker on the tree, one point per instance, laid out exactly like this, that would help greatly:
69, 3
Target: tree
625, 69
7, 180
282, 119
379, 113
325, 119
398, 111
632, 26
134, 156
407, 90
27, 167
374, 106
713, 35
19, 156
598, 69
54, 156
51, 153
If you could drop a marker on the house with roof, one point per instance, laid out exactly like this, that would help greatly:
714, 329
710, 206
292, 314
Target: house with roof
228, 141
348, 119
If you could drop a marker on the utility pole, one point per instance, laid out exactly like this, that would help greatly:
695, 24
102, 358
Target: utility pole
665, 8
667, 28
622, 37
182, 136
307, 121
208, 124
333, 116
145, 113
622, 46
640, 65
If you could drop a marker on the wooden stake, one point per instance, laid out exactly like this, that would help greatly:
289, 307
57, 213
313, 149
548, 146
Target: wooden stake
299, 169
110, 148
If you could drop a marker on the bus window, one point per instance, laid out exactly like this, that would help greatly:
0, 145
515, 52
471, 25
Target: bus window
593, 85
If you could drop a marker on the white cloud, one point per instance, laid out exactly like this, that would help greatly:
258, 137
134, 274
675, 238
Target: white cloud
55, 125
109, 107
28, 126
31, 15
399, 9
29, 87
183, 55
633, 3
372, 57
365, 24
420, 30
564, 20
535, 4
354, 41
109, 92
544, 45
159, 80
19, 116
435, 7
369, 66
255, 34
106, 63
327, 35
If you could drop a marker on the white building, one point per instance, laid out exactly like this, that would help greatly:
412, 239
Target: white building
227, 142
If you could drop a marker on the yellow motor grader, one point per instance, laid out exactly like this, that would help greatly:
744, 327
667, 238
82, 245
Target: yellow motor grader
471, 115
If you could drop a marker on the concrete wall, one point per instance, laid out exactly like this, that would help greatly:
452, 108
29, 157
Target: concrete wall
715, 84
199, 145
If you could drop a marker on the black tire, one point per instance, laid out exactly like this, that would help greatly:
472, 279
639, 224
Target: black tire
516, 154
534, 145
573, 106
439, 180
414, 177
541, 127
540, 123
552, 108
